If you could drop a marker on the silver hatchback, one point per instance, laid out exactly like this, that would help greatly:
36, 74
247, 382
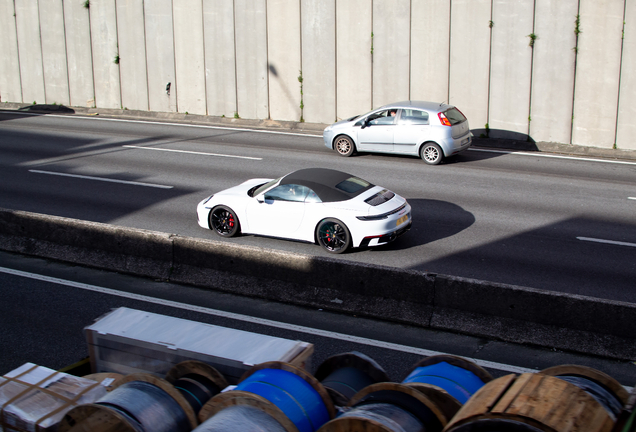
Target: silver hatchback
432, 131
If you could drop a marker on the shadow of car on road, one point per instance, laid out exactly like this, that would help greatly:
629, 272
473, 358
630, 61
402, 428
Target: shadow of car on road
432, 220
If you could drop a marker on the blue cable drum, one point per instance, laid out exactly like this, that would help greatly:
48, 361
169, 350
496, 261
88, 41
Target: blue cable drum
457, 376
292, 394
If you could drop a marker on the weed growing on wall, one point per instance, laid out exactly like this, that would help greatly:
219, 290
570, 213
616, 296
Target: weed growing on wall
372, 44
116, 60
302, 103
236, 114
577, 32
532, 37
87, 4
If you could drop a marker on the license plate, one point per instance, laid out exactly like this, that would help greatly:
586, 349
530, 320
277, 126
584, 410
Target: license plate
401, 220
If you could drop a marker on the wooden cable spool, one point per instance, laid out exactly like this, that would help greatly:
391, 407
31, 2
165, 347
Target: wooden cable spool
605, 389
198, 382
285, 393
389, 407
459, 377
530, 403
130, 407
344, 375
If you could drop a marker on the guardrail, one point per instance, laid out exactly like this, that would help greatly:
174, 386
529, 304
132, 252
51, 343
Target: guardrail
505, 312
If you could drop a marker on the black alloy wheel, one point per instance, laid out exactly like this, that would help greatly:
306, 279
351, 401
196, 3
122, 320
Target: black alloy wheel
333, 235
224, 222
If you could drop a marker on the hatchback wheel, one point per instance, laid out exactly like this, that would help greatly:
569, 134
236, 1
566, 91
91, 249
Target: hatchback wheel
431, 153
344, 146
333, 235
224, 222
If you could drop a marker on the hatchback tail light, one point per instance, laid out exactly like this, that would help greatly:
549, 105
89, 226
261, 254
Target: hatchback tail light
443, 119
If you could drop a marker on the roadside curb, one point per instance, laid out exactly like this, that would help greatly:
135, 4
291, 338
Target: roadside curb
310, 128
484, 309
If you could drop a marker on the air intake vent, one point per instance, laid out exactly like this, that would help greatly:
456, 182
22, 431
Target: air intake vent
379, 198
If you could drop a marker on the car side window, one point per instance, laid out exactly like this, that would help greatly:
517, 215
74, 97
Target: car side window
413, 117
291, 192
384, 117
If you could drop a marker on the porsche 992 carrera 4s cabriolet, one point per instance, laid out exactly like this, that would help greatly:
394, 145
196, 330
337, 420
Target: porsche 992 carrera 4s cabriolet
332, 208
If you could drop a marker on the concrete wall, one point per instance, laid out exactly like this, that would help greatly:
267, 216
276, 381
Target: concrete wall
79, 54
105, 49
10, 84
240, 57
553, 93
132, 54
626, 128
283, 59
469, 76
430, 54
54, 52
510, 67
505, 312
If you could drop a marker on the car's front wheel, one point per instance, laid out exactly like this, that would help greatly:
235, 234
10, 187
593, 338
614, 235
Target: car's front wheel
224, 222
333, 235
431, 153
344, 146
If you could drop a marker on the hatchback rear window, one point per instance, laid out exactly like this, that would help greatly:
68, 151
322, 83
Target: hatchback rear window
454, 116
353, 185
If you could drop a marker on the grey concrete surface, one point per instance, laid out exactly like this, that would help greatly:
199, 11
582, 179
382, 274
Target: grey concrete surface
596, 88
510, 67
217, 57
553, 94
479, 308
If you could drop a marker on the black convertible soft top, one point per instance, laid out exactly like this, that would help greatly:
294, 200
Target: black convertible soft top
330, 185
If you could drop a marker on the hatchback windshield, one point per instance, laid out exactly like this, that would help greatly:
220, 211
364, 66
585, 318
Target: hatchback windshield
454, 116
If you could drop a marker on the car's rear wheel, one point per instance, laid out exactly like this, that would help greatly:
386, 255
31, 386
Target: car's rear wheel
224, 222
344, 146
333, 235
431, 153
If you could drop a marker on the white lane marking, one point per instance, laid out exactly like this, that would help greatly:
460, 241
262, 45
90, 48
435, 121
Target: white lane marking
309, 135
632, 198
192, 152
554, 156
102, 179
612, 242
260, 321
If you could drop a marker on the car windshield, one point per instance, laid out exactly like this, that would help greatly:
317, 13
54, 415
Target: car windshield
262, 188
454, 116
352, 185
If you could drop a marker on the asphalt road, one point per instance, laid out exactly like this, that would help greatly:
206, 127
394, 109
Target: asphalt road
560, 224
46, 305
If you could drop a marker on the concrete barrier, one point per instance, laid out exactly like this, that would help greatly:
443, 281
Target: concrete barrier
479, 308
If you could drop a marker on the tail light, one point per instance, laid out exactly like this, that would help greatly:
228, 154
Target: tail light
443, 119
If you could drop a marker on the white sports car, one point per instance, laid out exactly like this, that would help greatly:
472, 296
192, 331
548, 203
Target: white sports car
335, 209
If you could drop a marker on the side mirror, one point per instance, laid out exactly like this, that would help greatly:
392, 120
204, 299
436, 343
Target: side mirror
260, 199
362, 123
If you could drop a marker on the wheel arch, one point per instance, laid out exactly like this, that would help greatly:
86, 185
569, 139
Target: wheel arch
338, 135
